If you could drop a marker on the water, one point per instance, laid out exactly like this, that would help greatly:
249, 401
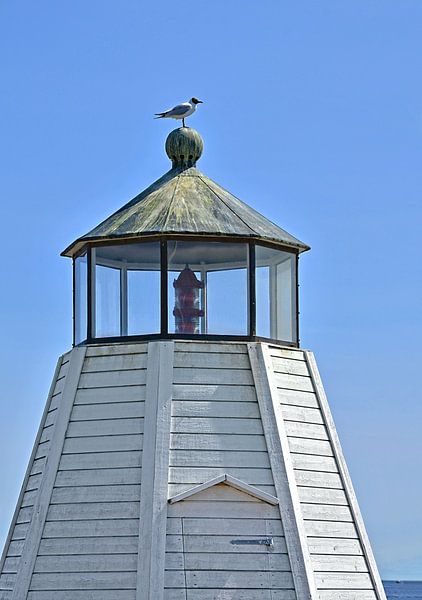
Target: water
403, 590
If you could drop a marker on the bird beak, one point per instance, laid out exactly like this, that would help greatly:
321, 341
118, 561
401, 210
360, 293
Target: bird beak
200, 102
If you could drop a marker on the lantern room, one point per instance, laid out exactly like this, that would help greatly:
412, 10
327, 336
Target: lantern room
185, 259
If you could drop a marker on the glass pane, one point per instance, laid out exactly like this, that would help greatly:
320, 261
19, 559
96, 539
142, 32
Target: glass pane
81, 299
276, 294
208, 288
107, 301
143, 295
227, 300
127, 289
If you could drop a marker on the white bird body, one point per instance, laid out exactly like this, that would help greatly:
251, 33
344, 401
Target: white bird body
180, 111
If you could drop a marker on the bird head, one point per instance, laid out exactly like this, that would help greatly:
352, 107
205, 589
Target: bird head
196, 101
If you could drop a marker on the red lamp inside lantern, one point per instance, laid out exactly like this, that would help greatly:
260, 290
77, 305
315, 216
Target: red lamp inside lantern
187, 309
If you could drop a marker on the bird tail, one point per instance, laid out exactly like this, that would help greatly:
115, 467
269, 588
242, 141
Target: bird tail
160, 115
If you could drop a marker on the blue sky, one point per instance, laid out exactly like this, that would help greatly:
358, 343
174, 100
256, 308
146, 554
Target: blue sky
312, 114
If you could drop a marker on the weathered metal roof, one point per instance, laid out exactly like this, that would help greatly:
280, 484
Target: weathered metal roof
185, 201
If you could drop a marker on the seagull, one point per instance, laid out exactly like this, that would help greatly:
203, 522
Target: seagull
181, 111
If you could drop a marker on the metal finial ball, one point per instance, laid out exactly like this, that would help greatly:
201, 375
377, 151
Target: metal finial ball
184, 147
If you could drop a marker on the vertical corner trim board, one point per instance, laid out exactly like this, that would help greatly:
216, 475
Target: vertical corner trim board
344, 474
155, 461
33, 537
30, 463
283, 474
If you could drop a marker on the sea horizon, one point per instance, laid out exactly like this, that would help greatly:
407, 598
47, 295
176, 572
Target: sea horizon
403, 589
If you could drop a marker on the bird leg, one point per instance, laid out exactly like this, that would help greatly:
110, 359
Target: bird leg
183, 121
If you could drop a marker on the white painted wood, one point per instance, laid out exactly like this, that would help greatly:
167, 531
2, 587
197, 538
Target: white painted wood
292, 353
209, 458
211, 360
105, 427
15, 548
303, 415
100, 460
89, 581
208, 441
309, 446
232, 527
20, 531
97, 563
347, 595
316, 479
322, 496
293, 382
223, 493
132, 393
46, 434
210, 561
98, 477
33, 457
298, 398
305, 430
88, 545
334, 546
152, 533
230, 579
195, 475
232, 594
55, 401
93, 510
116, 349
209, 347
51, 415
184, 408
342, 564
96, 528
42, 449
46, 485
344, 473
309, 462
223, 510
222, 543
289, 366
112, 379
38, 466
10, 565
7, 581
214, 393
96, 493
118, 410
33, 482
213, 376
110, 443
178, 488
326, 513
82, 595
25, 515
28, 498
354, 581
113, 362
216, 425
331, 529
284, 481
229, 481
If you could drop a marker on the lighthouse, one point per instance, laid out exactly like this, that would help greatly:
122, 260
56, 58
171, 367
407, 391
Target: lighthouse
187, 450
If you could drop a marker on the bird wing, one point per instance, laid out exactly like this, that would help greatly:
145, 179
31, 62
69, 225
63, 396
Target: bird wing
179, 110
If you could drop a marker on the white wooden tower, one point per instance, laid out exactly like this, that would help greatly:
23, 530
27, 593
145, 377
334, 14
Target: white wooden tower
187, 450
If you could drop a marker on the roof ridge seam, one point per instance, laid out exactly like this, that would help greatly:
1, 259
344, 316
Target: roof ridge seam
227, 206
171, 202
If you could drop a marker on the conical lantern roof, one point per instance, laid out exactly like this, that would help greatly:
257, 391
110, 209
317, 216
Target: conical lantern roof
184, 201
